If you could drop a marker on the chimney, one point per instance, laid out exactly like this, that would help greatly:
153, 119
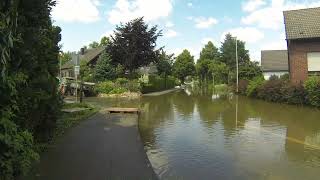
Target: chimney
82, 51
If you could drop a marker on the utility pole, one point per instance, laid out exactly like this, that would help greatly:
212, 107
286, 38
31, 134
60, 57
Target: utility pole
237, 65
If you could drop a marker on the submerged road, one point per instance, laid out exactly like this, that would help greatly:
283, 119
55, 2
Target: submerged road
101, 148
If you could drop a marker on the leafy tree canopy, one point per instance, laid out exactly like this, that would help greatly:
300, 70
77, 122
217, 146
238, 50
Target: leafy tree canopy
184, 66
209, 52
104, 70
104, 41
228, 52
65, 57
93, 45
164, 64
134, 44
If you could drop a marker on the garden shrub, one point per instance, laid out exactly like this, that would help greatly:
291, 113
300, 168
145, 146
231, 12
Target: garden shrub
122, 81
253, 86
271, 90
312, 86
105, 87
243, 85
294, 94
157, 83
285, 77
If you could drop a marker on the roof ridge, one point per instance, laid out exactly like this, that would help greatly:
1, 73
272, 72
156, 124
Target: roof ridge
302, 9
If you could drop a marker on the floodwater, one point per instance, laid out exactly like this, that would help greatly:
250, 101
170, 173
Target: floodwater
190, 135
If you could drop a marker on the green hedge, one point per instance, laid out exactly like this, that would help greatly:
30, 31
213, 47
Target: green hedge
281, 90
157, 83
121, 85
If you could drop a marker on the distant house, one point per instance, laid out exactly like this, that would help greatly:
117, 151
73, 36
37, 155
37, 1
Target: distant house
303, 41
91, 57
274, 62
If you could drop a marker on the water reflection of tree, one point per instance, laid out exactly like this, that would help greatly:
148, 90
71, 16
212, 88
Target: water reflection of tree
183, 104
210, 111
156, 111
301, 123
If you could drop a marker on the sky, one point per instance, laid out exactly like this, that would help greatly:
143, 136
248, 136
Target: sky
186, 24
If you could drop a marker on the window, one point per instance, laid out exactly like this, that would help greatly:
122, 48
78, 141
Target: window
314, 62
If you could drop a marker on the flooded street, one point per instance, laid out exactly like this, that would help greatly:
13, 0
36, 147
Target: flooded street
195, 136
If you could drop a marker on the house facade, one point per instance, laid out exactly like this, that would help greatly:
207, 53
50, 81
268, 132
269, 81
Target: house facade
90, 56
303, 42
274, 63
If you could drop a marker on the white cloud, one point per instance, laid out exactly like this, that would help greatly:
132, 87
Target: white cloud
247, 34
252, 5
169, 24
204, 23
271, 16
85, 11
205, 41
190, 4
107, 34
126, 10
170, 34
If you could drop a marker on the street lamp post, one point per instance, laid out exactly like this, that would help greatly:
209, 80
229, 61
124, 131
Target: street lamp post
237, 61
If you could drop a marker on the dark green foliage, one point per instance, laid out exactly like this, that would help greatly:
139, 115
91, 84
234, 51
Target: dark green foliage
184, 66
64, 57
86, 72
271, 91
93, 45
250, 70
207, 62
29, 89
121, 85
228, 52
164, 64
285, 77
254, 84
220, 72
104, 41
157, 83
312, 86
277, 90
209, 52
104, 70
134, 45
294, 94
243, 85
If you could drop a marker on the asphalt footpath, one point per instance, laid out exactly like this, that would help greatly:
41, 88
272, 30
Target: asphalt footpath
104, 147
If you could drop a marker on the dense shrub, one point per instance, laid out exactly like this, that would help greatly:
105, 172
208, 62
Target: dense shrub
157, 83
252, 89
312, 86
105, 87
285, 77
294, 94
121, 85
271, 90
243, 85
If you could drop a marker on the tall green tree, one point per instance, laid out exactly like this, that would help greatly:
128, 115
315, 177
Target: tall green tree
104, 41
65, 57
134, 45
164, 63
30, 102
208, 55
184, 66
209, 52
228, 52
93, 45
104, 70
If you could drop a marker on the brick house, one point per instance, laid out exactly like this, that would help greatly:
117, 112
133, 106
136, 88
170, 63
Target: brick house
303, 41
274, 63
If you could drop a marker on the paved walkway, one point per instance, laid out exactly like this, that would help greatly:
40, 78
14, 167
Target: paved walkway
101, 148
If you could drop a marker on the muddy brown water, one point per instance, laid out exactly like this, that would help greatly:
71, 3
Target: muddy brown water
191, 135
